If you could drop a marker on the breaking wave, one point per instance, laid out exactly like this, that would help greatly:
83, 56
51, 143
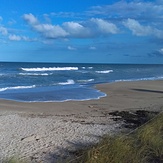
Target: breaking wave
50, 69
104, 72
89, 80
87, 67
35, 74
17, 87
70, 81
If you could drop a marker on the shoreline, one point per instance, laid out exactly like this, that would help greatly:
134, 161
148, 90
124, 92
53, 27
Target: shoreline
116, 91
46, 130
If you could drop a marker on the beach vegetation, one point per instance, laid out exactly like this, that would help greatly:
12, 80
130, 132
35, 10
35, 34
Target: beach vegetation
143, 145
14, 159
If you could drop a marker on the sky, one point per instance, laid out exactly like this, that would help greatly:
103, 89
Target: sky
82, 31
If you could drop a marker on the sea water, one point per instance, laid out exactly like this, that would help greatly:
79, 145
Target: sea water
44, 82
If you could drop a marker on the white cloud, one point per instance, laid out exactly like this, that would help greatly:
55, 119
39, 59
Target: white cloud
50, 31
76, 30
3, 31
136, 28
30, 18
156, 53
133, 9
145, 17
85, 29
25, 38
105, 26
46, 30
47, 18
91, 28
92, 48
14, 38
71, 48
140, 30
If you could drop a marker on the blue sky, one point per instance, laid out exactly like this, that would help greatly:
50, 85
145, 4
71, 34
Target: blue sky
95, 31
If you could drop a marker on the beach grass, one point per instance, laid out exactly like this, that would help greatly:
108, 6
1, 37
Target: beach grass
143, 145
13, 160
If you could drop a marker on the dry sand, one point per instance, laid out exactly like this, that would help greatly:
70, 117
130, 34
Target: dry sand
45, 131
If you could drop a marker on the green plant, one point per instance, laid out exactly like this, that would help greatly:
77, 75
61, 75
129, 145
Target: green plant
145, 145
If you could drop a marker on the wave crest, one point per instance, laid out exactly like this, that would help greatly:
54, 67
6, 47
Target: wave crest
50, 69
70, 81
88, 80
104, 72
17, 87
35, 74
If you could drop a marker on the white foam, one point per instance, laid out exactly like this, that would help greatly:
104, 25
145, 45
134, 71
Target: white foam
87, 67
139, 79
50, 69
17, 87
70, 81
35, 74
89, 80
104, 72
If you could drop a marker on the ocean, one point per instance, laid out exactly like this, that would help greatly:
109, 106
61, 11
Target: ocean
47, 82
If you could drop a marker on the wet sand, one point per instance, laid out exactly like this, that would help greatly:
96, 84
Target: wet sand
45, 131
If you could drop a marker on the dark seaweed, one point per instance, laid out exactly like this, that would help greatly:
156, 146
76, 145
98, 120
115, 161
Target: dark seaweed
133, 119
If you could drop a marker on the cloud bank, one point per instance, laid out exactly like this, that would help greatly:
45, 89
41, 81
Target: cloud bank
140, 17
86, 29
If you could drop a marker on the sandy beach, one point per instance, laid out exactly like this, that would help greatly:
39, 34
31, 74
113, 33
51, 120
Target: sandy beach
46, 131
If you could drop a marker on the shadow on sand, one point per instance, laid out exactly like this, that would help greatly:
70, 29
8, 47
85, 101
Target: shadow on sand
147, 90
